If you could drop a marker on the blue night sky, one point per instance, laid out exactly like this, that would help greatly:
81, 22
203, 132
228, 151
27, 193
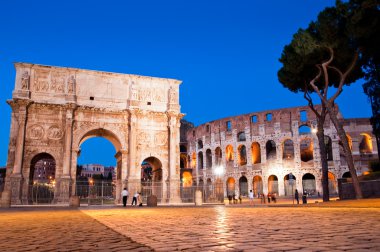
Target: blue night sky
225, 52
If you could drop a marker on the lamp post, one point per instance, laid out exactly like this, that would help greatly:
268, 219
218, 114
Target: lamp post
291, 182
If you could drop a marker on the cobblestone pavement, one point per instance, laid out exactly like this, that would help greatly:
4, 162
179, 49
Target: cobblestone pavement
222, 228
59, 230
349, 226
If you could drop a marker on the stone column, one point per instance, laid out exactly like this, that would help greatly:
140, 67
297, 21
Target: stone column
265, 185
318, 184
65, 180
6, 195
124, 166
281, 187
298, 184
119, 180
196, 164
134, 180
74, 159
250, 182
19, 153
279, 151
174, 179
263, 153
16, 176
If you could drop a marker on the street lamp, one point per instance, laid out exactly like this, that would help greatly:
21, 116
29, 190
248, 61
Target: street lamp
219, 170
291, 182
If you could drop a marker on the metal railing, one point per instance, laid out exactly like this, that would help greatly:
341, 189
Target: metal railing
96, 193
41, 193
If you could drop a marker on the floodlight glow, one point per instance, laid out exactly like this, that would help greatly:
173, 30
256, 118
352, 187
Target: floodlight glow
219, 170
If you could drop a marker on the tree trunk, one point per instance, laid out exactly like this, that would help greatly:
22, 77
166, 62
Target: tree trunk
343, 137
324, 163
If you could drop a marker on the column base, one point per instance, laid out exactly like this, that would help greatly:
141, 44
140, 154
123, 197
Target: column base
174, 192
63, 191
15, 188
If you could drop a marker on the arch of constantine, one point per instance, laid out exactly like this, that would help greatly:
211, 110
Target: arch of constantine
56, 109
272, 152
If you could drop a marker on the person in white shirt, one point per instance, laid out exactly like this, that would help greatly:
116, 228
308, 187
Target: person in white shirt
135, 197
251, 197
124, 195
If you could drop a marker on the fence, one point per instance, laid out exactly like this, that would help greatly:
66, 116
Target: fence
41, 193
104, 192
97, 193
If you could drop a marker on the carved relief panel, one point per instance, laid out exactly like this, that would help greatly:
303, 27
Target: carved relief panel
57, 82
41, 81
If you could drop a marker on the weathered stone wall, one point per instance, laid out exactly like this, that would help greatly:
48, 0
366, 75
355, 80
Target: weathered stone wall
278, 126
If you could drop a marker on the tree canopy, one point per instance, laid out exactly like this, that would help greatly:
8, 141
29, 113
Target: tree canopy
337, 49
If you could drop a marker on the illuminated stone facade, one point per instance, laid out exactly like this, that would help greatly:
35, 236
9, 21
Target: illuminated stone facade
56, 109
259, 150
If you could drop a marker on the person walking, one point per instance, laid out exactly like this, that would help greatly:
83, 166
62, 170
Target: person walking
251, 197
124, 195
134, 200
262, 196
304, 198
296, 197
139, 200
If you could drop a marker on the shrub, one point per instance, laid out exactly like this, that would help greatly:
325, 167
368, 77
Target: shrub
374, 166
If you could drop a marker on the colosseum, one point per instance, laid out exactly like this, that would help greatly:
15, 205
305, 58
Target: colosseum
272, 151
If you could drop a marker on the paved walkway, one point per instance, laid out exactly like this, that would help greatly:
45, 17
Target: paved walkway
59, 230
248, 229
333, 226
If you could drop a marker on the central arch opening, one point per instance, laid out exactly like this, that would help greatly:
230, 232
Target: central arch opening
98, 167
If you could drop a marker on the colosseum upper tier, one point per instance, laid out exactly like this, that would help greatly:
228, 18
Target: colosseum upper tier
272, 151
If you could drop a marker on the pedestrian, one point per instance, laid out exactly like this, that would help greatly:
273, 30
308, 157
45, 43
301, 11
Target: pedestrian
304, 198
134, 200
234, 198
139, 200
124, 195
273, 197
251, 197
229, 199
262, 197
296, 197
268, 197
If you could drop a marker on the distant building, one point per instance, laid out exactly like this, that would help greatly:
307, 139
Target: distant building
88, 170
44, 170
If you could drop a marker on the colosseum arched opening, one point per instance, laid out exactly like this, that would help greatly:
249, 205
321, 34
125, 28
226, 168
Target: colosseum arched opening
289, 185
288, 150
242, 155
306, 150
270, 147
256, 153
273, 184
